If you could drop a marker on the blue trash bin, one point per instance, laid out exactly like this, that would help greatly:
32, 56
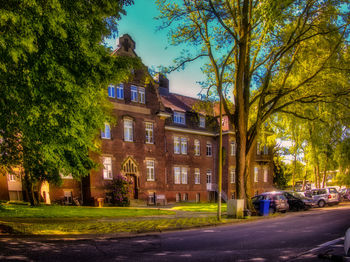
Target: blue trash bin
264, 207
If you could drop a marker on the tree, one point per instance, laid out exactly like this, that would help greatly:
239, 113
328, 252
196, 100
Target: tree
54, 72
119, 190
256, 47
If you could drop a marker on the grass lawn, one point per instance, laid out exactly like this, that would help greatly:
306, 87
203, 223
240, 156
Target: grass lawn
60, 220
200, 207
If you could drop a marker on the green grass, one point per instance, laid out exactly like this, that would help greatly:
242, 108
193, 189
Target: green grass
43, 211
200, 207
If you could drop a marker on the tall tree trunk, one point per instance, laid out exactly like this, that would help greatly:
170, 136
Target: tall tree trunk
294, 171
29, 188
318, 175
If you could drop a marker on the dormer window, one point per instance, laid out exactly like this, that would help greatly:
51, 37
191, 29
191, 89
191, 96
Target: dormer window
120, 91
111, 91
134, 96
202, 121
179, 118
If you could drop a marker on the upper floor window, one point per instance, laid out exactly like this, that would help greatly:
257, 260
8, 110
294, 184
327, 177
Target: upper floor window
134, 96
12, 177
256, 174
106, 133
233, 175
179, 118
150, 170
197, 147
142, 95
128, 130
184, 175
266, 174
209, 177
258, 149
120, 91
209, 149
177, 174
202, 121
111, 91
266, 150
107, 168
176, 145
197, 176
233, 148
183, 145
149, 133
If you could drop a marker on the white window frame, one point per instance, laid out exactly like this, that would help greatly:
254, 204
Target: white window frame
266, 174
120, 91
107, 168
209, 149
233, 175
179, 118
142, 95
134, 93
197, 176
106, 134
185, 197
150, 170
128, 130
177, 149
111, 91
183, 145
149, 132
197, 147
177, 175
184, 175
233, 148
256, 174
12, 177
209, 176
202, 121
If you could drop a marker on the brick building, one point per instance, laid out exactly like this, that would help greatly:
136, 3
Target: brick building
162, 146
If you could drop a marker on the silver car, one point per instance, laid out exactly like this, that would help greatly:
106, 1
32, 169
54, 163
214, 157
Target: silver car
325, 196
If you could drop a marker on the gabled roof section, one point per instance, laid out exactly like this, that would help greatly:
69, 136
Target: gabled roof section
179, 103
125, 46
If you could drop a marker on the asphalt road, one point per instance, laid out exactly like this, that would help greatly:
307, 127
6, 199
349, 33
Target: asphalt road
284, 238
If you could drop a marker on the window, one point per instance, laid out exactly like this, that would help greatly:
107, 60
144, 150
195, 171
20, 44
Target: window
107, 168
256, 173
184, 175
258, 149
197, 147
201, 121
176, 175
178, 197
266, 174
149, 133
198, 197
150, 170
128, 130
183, 145
106, 134
233, 148
12, 177
142, 96
111, 91
233, 175
197, 176
209, 149
266, 150
179, 118
120, 91
176, 145
134, 97
208, 176
185, 197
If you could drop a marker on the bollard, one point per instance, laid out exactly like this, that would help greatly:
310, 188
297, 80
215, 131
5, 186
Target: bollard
100, 202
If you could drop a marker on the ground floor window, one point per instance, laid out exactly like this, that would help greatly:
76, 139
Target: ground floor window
178, 197
185, 197
198, 197
68, 197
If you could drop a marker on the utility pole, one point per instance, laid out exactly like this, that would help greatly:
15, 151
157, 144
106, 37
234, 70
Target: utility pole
220, 160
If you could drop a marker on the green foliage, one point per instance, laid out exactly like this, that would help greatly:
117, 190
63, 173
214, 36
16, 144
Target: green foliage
119, 190
54, 73
280, 176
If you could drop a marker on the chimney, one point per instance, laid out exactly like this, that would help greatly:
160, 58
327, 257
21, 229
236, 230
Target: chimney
163, 83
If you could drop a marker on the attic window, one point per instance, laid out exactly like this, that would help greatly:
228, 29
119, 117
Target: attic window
179, 118
202, 121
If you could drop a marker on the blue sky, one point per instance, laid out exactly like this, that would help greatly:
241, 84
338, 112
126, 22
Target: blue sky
153, 48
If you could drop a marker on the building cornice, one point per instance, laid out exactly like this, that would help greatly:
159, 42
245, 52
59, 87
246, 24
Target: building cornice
189, 131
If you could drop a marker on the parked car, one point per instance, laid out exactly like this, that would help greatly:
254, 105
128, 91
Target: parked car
325, 196
345, 193
298, 201
278, 201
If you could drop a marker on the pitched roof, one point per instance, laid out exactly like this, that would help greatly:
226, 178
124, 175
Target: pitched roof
178, 102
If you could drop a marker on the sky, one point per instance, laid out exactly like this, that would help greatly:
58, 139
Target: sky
153, 47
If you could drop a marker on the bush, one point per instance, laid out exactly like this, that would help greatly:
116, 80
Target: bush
119, 190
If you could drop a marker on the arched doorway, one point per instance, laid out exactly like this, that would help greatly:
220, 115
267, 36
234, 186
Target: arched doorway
130, 170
